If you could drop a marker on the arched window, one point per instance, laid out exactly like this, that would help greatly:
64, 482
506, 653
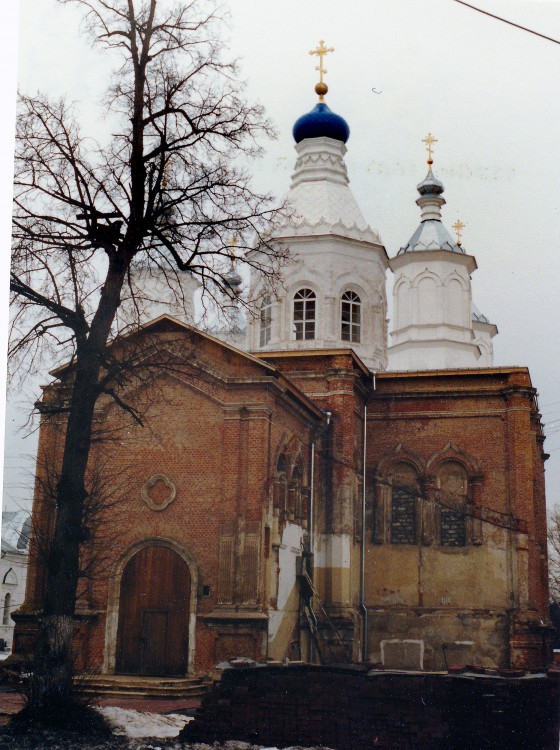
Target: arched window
304, 315
290, 494
266, 320
294, 494
405, 491
455, 303
351, 317
402, 304
453, 497
429, 303
281, 485
6, 613
10, 578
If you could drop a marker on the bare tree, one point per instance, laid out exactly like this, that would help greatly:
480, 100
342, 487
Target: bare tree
102, 516
553, 533
165, 193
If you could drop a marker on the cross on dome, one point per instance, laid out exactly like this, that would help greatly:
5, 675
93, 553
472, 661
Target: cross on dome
458, 227
321, 122
429, 140
321, 88
233, 243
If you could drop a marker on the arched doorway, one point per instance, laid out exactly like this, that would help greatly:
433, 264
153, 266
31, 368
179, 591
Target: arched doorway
153, 628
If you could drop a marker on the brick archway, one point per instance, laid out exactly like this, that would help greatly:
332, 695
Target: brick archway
146, 603
154, 599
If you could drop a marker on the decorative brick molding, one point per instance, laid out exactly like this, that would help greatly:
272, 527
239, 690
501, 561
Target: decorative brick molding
156, 496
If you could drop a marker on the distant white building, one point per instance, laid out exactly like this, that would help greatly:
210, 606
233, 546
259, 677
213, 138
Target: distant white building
16, 527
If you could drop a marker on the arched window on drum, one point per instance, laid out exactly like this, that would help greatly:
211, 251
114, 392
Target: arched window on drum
266, 320
351, 317
305, 308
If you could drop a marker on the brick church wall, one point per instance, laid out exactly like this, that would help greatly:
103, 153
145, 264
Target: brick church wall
214, 425
218, 422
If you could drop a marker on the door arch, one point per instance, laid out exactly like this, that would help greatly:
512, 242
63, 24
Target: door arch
154, 613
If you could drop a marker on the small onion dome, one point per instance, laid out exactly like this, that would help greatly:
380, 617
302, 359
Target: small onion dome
478, 316
321, 122
233, 281
430, 185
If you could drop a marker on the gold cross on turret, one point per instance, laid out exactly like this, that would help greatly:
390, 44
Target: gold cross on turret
429, 140
321, 88
232, 254
458, 227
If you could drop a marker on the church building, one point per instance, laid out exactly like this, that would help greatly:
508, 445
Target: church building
317, 494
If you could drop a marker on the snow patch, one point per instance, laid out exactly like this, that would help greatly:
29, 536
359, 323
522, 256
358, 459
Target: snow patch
131, 723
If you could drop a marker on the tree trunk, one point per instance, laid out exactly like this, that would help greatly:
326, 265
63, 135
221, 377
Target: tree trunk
51, 681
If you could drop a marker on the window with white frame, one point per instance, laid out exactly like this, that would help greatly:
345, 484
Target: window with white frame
351, 317
304, 314
266, 320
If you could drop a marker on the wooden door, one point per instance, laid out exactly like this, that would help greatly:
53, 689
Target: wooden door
155, 627
154, 614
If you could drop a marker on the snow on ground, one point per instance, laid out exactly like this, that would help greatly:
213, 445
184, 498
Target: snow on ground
131, 723
138, 725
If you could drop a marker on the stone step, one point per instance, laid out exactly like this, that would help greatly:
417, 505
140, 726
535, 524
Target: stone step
136, 682
147, 694
143, 687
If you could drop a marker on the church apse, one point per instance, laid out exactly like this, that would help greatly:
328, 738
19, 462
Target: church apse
448, 554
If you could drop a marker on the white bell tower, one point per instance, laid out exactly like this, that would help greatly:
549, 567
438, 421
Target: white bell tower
435, 324
333, 293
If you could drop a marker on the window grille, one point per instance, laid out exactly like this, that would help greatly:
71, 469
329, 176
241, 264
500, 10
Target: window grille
453, 497
403, 517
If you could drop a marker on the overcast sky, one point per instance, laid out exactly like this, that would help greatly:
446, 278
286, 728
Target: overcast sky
487, 91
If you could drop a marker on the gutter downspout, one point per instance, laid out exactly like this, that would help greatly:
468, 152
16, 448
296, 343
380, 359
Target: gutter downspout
311, 542
311, 498
363, 608
311, 533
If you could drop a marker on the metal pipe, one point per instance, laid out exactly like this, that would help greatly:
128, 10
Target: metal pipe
363, 608
311, 654
311, 498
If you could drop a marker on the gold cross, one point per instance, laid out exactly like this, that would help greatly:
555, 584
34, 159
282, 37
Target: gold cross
429, 140
458, 227
321, 51
232, 256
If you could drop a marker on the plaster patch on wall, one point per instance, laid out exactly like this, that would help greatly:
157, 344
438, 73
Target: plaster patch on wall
287, 604
402, 654
333, 551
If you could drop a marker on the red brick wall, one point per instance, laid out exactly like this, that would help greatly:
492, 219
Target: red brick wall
214, 427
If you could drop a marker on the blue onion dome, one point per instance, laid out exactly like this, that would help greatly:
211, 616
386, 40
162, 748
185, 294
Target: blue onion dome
321, 122
430, 185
